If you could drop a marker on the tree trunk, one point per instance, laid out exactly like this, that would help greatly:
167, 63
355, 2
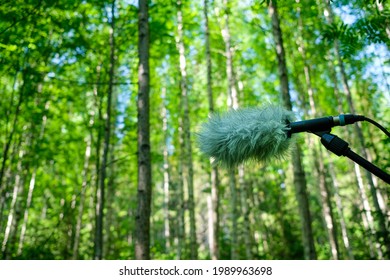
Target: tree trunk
325, 194
100, 195
11, 214
232, 103
14, 215
84, 174
8, 145
213, 199
368, 220
186, 132
110, 199
340, 210
166, 175
246, 211
232, 89
18, 108
327, 208
180, 202
31, 186
144, 196
233, 216
382, 232
299, 174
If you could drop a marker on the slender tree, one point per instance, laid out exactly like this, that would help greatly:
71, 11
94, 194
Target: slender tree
76, 242
31, 186
232, 98
12, 212
180, 239
167, 179
189, 170
100, 195
299, 174
142, 219
213, 199
8, 145
340, 210
325, 194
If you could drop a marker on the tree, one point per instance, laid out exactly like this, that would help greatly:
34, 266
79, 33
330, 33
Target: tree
299, 174
213, 199
325, 193
142, 248
187, 152
232, 104
100, 195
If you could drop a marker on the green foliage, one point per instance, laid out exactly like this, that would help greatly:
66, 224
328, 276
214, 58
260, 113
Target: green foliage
349, 40
372, 28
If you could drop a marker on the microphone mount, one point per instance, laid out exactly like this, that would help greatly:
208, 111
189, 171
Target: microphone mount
341, 148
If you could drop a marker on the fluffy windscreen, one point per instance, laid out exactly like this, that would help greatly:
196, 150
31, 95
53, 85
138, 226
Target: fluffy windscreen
243, 134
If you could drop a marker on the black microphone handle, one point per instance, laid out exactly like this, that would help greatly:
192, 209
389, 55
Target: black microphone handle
314, 125
323, 124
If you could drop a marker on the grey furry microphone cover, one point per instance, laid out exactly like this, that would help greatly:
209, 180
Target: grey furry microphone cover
244, 134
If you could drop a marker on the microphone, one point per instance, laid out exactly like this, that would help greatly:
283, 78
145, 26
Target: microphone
246, 133
324, 124
258, 134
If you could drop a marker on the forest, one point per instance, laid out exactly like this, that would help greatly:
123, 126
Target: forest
102, 101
